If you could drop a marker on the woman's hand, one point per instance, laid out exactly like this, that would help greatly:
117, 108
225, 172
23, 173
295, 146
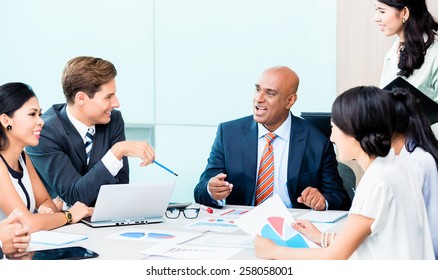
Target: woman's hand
264, 247
306, 228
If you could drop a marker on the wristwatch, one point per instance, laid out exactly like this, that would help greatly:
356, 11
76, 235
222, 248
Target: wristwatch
68, 217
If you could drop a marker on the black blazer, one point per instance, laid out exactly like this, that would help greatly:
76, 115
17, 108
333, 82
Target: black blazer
61, 162
312, 162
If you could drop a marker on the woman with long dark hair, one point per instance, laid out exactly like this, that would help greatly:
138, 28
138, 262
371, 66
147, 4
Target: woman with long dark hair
387, 212
20, 186
414, 54
414, 138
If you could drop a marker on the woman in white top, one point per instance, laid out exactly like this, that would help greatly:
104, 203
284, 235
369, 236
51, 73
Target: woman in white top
387, 219
413, 138
20, 185
414, 54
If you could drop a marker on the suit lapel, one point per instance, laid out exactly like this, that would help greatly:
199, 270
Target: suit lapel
73, 135
297, 145
249, 144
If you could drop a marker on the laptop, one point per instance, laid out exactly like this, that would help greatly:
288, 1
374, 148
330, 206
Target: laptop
427, 105
130, 204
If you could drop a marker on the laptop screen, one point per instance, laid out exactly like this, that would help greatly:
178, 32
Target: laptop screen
121, 204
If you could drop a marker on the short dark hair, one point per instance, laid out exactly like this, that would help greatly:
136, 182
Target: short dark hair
12, 97
87, 74
367, 114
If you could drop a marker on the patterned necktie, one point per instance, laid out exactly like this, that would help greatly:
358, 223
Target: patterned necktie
265, 179
89, 142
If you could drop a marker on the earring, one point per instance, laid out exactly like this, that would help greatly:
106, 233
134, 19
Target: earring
9, 127
404, 20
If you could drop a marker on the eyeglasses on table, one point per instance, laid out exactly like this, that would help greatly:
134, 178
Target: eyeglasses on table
189, 213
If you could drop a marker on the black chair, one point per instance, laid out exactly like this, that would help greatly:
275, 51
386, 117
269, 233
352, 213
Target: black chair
321, 120
348, 178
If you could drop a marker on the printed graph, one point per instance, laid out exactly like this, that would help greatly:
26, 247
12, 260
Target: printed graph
282, 233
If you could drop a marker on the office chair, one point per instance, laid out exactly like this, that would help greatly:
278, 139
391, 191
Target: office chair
320, 120
348, 178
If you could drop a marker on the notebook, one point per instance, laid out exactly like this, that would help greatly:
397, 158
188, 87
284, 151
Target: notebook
429, 107
131, 204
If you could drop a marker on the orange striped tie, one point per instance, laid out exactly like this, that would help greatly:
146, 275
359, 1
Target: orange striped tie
265, 179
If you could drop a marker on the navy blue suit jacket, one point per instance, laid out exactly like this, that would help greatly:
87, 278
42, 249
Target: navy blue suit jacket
312, 162
61, 162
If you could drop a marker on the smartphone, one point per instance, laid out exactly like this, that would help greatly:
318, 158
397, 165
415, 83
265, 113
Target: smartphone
178, 205
68, 253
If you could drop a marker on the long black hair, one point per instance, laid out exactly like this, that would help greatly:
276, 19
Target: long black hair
367, 114
419, 24
413, 123
12, 97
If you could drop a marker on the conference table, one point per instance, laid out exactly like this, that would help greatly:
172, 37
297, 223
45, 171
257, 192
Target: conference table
100, 240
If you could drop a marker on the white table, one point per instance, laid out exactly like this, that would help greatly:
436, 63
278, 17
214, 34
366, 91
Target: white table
119, 249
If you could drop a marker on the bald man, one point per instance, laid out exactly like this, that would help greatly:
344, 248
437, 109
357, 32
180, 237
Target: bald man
305, 167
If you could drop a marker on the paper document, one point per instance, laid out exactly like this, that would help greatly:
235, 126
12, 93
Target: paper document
191, 252
272, 220
324, 216
161, 236
55, 238
224, 240
214, 224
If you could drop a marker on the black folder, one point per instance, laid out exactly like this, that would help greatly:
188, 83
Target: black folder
427, 105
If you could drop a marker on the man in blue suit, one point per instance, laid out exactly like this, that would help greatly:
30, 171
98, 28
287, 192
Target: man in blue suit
305, 164
67, 167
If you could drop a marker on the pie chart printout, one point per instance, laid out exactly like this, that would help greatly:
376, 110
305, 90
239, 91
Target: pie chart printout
282, 234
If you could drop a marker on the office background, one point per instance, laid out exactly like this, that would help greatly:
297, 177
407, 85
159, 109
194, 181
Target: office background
185, 66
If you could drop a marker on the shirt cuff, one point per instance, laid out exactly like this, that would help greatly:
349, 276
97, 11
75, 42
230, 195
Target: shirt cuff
112, 163
220, 203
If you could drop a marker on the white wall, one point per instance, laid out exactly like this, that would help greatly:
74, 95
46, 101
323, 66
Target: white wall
183, 65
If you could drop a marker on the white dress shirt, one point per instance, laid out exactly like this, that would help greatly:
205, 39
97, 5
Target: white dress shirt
109, 159
281, 155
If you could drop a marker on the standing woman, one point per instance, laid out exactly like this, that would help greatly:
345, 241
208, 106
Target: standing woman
413, 138
387, 212
414, 55
20, 185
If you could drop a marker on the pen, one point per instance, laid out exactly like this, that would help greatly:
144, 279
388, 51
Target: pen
164, 167
207, 209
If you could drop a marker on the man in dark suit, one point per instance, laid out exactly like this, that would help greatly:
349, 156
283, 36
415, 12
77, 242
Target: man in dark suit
83, 144
305, 164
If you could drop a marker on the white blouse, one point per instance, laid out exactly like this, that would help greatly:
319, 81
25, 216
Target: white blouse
425, 166
21, 182
391, 195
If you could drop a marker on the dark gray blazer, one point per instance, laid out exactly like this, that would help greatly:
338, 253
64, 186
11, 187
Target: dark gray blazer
61, 162
312, 162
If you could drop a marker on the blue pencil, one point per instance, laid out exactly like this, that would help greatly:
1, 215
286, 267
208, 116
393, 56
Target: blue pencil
164, 167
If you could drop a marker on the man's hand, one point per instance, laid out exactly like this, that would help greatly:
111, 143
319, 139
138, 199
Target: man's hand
218, 187
312, 198
134, 149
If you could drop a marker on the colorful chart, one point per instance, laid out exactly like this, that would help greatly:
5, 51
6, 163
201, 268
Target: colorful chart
283, 234
154, 235
132, 234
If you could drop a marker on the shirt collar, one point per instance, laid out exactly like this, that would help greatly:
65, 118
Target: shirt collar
283, 131
80, 127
